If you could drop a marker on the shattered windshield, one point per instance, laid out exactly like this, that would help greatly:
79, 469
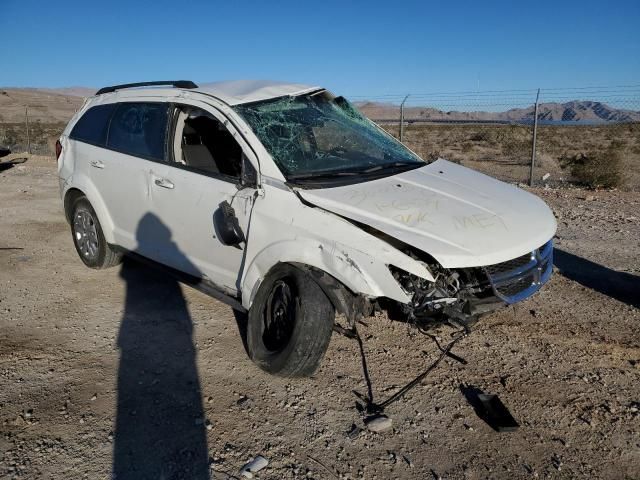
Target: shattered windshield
319, 135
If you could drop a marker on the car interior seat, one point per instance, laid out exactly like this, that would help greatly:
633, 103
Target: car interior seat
195, 153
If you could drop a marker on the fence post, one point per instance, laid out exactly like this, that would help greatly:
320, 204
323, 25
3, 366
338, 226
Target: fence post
26, 121
402, 117
533, 143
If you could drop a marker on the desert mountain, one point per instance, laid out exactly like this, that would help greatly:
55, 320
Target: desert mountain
44, 105
59, 104
577, 110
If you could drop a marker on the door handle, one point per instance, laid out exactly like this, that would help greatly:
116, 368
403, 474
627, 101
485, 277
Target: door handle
97, 164
164, 183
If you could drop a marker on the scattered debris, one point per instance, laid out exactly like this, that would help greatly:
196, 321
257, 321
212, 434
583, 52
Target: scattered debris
378, 423
545, 177
323, 466
375, 408
490, 409
253, 466
354, 432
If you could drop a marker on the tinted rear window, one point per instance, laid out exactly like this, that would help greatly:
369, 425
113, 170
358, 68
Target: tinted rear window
139, 129
93, 126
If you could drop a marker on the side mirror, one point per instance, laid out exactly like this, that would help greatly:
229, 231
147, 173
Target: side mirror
227, 226
347, 107
248, 175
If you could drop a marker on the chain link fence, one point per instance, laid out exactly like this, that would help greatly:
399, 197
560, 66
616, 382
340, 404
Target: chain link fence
588, 136
34, 137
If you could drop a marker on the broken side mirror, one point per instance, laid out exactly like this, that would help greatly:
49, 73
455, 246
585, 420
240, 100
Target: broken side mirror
248, 176
349, 109
227, 226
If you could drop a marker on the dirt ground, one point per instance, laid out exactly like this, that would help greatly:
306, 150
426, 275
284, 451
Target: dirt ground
124, 373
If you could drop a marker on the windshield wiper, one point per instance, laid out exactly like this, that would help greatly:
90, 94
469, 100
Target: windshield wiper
350, 173
387, 166
306, 176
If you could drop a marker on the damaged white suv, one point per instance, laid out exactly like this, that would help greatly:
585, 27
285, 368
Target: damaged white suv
284, 201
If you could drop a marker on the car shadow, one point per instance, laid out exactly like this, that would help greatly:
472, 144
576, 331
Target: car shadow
622, 286
242, 321
160, 429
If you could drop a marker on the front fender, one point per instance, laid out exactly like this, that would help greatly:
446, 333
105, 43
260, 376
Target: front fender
283, 229
356, 270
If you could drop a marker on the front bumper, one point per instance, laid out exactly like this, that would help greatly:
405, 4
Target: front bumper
517, 279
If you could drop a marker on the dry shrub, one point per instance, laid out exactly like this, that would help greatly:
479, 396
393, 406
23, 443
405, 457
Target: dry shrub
433, 156
597, 169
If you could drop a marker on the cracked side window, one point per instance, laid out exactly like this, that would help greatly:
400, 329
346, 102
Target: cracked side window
319, 134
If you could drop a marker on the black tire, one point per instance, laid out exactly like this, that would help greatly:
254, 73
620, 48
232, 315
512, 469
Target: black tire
85, 226
289, 337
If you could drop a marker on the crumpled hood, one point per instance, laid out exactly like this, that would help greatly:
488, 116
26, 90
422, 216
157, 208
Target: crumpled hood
459, 216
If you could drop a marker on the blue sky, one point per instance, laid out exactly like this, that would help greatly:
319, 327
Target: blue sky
354, 48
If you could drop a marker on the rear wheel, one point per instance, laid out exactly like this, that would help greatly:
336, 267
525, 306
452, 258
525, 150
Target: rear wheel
92, 248
290, 323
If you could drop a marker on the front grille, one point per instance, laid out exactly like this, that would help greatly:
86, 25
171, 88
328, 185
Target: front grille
508, 265
519, 278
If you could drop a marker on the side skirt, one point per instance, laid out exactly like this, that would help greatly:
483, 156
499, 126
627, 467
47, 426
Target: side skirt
202, 285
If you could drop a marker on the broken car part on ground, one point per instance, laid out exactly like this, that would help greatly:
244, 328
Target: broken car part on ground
284, 201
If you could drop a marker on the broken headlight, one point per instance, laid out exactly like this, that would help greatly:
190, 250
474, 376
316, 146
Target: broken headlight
426, 294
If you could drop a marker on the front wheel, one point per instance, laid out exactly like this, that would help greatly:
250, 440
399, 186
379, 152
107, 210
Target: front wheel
290, 323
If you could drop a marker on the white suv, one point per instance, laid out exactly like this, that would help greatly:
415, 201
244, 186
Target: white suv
284, 201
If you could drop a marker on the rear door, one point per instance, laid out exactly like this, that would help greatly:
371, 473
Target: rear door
206, 170
113, 145
136, 141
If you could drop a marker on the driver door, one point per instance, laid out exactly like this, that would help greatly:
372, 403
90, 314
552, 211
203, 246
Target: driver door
209, 162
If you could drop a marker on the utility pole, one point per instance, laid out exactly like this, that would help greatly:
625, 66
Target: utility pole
533, 145
26, 121
402, 117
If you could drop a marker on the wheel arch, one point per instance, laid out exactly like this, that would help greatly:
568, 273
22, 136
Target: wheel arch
69, 197
346, 270
97, 203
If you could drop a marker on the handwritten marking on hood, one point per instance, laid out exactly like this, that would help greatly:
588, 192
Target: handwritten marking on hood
424, 203
482, 221
413, 218
358, 196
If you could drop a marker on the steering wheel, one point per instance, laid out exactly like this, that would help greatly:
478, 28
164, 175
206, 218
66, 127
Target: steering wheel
337, 151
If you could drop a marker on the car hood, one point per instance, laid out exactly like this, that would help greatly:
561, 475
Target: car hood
460, 217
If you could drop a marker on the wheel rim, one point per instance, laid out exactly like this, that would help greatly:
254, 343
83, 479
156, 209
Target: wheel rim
279, 316
85, 234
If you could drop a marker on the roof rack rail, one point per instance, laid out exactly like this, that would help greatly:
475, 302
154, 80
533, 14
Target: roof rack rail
173, 83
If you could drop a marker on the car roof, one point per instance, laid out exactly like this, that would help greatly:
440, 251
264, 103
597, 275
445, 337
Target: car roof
245, 91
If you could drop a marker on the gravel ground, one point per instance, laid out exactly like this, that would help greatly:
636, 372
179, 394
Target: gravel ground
124, 373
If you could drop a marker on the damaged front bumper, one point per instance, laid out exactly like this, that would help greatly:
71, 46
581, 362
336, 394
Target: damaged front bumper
466, 293
517, 279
